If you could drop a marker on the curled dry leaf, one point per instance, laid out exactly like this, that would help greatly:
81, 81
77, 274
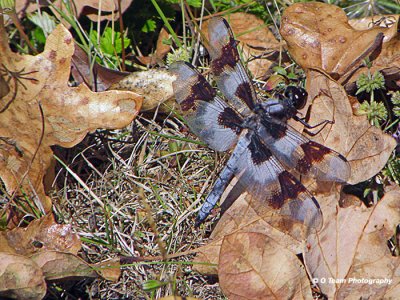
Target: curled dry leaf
40, 235
259, 45
383, 21
154, 85
255, 266
20, 278
41, 110
351, 250
366, 147
108, 8
161, 51
319, 36
161, 48
60, 265
97, 77
388, 59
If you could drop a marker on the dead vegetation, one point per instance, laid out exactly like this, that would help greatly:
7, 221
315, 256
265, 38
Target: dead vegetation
124, 200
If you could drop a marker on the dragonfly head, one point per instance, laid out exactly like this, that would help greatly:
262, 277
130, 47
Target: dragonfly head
297, 95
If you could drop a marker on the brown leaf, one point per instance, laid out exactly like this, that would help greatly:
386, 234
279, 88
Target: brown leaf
246, 215
388, 60
160, 52
207, 258
59, 265
41, 110
102, 77
384, 21
155, 85
256, 40
255, 266
40, 235
260, 47
319, 36
352, 246
366, 147
108, 8
20, 278
161, 48
243, 217
109, 269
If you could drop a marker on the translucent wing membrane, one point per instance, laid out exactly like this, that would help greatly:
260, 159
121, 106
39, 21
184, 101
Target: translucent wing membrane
266, 146
271, 186
297, 152
231, 77
207, 115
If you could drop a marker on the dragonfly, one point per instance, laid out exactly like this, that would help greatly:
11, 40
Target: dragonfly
268, 154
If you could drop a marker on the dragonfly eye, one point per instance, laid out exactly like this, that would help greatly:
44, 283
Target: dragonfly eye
297, 95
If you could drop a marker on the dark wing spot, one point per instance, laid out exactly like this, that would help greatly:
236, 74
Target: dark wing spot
201, 90
313, 152
243, 92
229, 57
259, 152
291, 188
230, 119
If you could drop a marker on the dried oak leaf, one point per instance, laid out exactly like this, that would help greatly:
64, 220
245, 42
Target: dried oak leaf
366, 147
243, 217
383, 21
255, 266
20, 278
40, 235
60, 265
109, 269
41, 110
319, 36
252, 258
351, 251
257, 43
388, 59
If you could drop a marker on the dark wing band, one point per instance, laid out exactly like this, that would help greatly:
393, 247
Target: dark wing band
231, 76
297, 152
272, 188
207, 115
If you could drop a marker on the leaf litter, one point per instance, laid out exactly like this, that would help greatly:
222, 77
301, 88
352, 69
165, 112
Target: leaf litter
243, 234
245, 271
40, 110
